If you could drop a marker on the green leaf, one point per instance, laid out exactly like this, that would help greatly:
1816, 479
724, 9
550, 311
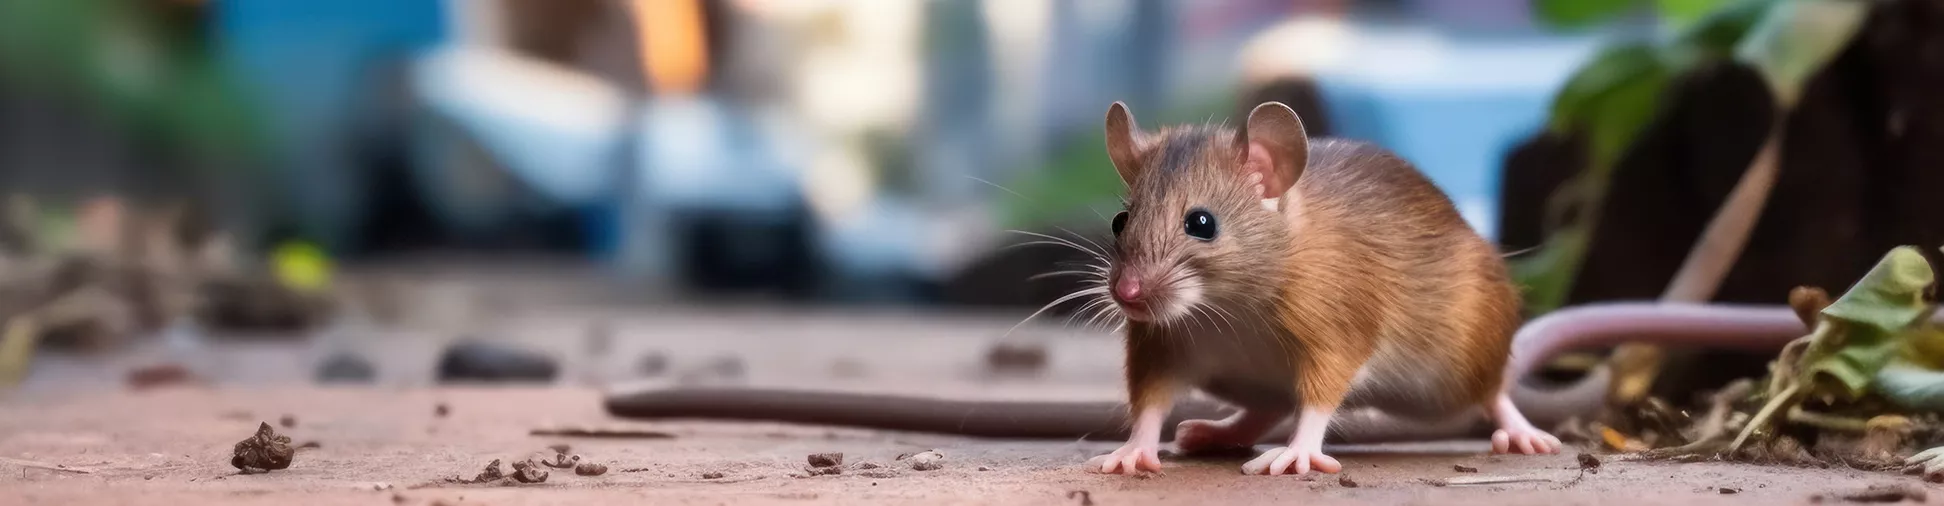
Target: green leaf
1865, 329
1613, 68
1682, 12
1796, 38
1911, 386
1570, 14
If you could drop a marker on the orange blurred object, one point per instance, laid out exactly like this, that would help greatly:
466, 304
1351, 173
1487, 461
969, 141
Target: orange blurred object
674, 45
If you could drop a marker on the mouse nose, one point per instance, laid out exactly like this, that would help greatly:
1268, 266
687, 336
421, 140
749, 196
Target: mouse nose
1127, 290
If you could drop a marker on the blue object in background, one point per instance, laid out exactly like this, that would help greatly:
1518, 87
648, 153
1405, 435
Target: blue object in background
1453, 106
307, 64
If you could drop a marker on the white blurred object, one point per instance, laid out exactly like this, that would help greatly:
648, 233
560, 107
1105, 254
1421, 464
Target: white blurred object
553, 128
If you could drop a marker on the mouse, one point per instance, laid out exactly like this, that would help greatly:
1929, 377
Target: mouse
1345, 279
1285, 277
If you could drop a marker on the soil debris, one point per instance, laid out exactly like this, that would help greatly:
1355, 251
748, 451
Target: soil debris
491, 474
264, 451
984, 469
822, 471
866, 465
713, 475
1589, 462
441, 410
1729, 491
929, 460
1463, 468
310, 445
288, 422
1346, 481
590, 469
1086, 498
601, 433
1016, 358
525, 472
1879, 493
562, 461
161, 375
826, 459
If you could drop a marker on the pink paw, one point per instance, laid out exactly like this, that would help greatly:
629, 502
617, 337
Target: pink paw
1129, 459
1288, 460
1526, 440
1199, 436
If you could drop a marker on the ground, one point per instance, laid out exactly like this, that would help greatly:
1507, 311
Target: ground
385, 443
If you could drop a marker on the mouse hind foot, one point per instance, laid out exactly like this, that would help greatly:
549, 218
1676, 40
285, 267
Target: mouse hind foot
1515, 433
1241, 430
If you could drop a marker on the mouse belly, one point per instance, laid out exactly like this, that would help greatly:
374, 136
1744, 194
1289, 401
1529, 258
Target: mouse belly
1418, 394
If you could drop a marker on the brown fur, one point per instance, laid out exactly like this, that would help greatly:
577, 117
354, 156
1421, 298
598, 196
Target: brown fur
1368, 266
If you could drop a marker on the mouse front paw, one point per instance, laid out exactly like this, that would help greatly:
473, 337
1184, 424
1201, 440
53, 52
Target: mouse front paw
1527, 440
1129, 459
1291, 460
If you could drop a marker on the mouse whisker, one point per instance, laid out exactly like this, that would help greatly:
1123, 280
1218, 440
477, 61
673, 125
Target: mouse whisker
1062, 300
1082, 237
1097, 254
1087, 274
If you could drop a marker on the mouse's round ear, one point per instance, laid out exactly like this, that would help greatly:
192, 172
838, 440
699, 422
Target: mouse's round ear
1124, 141
1273, 147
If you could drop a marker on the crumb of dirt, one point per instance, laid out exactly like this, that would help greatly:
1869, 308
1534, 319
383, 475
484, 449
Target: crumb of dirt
1879, 493
1346, 481
713, 475
1085, 497
491, 474
560, 447
600, 433
441, 410
525, 472
288, 422
652, 364
562, 461
590, 469
1016, 357
866, 465
879, 473
398, 499
822, 471
929, 460
826, 459
310, 445
1729, 490
984, 468
161, 375
1588, 462
1463, 468
266, 450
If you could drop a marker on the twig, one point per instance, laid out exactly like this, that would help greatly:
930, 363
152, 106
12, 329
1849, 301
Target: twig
1762, 417
1460, 481
602, 433
1827, 421
44, 465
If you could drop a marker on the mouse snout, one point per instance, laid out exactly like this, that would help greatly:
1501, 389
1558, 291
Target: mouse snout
1127, 290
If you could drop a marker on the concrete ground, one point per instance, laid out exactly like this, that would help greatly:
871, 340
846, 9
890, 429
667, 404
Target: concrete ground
385, 443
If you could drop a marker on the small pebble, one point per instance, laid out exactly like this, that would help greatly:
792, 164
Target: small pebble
712, 475
1345, 481
1464, 469
826, 459
590, 469
927, 461
1727, 491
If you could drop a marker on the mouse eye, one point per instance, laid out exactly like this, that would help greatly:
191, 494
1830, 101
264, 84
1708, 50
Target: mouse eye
1200, 225
1120, 222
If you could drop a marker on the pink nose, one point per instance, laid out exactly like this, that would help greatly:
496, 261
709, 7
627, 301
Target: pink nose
1127, 289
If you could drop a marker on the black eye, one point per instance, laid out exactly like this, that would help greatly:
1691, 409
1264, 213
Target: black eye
1120, 222
1200, 225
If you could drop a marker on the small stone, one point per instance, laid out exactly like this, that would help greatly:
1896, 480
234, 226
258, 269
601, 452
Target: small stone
1728, 491
441, 410
927, 461
984, 468
1588, 461
288, 422
1345, 481
345, 367
712, 475
590, 469
525, 472
826, 459
471, 360
1464, 469
264, 451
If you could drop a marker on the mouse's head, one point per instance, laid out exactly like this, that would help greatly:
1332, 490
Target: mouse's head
1201, 225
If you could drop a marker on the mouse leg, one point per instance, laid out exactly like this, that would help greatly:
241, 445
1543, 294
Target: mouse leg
1240, 430
1515, 433
1305, 450
1151, 386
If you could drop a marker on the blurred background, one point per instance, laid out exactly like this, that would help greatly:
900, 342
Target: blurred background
180, 170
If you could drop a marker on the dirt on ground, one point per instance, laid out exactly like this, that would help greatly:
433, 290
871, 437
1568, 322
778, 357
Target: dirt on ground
74, 434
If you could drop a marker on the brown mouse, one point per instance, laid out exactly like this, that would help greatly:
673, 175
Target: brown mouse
1288, 275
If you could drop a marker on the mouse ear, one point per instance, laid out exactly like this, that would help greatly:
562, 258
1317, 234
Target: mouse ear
1124, 141
1274, 148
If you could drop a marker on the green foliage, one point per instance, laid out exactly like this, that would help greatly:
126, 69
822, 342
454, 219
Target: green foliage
1613, 98
1581, 13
